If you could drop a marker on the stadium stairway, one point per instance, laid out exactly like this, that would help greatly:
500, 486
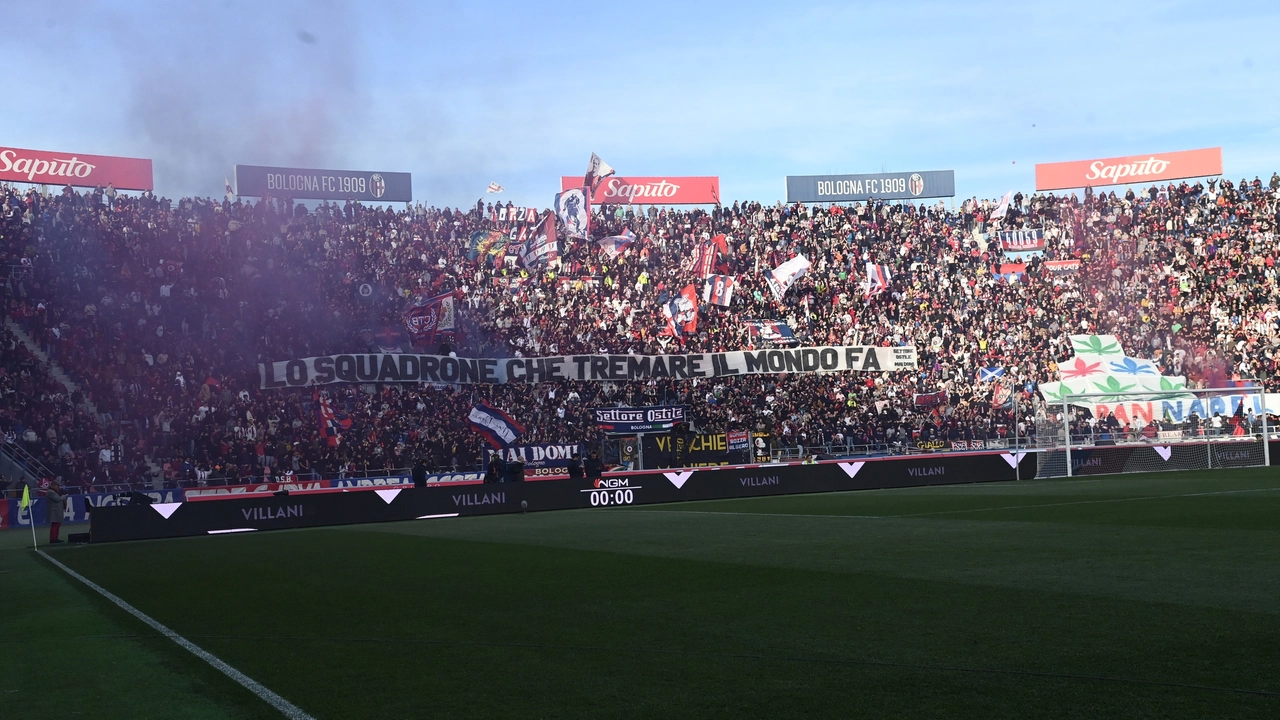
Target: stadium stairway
54, 370
57, 373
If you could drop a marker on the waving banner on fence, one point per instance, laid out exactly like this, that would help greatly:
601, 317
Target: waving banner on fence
405, 368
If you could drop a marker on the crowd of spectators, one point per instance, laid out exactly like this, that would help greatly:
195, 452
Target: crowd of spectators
162, 310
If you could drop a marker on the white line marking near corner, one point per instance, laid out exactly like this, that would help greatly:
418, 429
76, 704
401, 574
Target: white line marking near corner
1085, 502
937, 512
286, 708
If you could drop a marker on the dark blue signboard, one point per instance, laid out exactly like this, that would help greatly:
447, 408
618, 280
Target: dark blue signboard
881, 186
309, 184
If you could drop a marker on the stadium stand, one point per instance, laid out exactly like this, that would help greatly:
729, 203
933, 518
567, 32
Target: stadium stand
160, 310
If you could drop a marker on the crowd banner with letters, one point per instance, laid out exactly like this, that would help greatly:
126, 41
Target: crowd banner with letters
880, 186
626, 420
309, 184
1022, 240
405, 368
543, 459
1062, 267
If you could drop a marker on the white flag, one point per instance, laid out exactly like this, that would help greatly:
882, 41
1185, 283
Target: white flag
1003, 207
597, 170
494, 188
781, 278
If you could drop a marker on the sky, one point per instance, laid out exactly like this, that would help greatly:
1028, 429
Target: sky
462, 94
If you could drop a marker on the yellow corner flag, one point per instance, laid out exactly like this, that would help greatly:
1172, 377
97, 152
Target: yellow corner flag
26, 502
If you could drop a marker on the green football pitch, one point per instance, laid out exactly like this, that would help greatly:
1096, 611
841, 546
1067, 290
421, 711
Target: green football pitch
1144, 596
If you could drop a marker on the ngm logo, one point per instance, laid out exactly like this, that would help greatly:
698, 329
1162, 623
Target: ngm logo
612, 483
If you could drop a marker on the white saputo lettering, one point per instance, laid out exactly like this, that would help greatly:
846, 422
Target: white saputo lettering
1150, 166
661, 189
58, 167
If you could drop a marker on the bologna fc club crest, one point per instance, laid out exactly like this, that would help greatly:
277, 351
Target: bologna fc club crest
378, 186
915, 184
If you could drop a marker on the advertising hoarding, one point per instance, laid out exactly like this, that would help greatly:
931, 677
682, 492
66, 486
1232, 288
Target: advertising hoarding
57, 168
310, 184
1130, 170
880, 186
651, 190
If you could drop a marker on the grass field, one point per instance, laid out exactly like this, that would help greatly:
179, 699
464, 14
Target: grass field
1144, 596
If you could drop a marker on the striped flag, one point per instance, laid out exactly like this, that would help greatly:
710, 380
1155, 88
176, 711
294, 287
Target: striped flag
331, 422
718, 290
494, 425
615, 244
494, 188
878, 277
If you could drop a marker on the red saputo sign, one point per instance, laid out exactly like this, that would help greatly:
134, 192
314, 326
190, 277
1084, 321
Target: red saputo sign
53, 168
1129, 170
651, 190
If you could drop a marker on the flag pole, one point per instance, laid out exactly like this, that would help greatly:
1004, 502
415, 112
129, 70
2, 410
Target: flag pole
31, 514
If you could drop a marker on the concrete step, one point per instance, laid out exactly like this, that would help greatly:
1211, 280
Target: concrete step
57, 373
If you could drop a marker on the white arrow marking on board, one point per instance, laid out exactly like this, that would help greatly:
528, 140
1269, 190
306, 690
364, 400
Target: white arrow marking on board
679, 478
1013, 458
1164, 451
388, 495
165, 509
851, 469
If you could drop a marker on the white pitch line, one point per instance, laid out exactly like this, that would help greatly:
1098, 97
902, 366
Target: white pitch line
288, 709
750, 514
1084, 502
939, 512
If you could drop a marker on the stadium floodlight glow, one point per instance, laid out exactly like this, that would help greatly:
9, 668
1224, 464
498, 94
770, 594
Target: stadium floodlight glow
231, 530
441, 515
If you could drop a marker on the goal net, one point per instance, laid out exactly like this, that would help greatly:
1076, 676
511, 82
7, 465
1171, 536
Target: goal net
1132, 432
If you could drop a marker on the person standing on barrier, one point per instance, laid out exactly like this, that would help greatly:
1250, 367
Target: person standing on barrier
55, 501
420, 474
575, 467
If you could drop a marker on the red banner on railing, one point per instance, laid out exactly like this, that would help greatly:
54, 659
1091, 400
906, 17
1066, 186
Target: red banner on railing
53, 168
651, 190
1131, 170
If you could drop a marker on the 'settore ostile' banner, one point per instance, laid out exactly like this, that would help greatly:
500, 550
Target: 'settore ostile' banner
401, 368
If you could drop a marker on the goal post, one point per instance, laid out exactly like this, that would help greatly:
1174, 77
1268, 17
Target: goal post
1128, 432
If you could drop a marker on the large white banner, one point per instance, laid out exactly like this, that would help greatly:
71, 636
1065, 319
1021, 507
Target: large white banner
401, 368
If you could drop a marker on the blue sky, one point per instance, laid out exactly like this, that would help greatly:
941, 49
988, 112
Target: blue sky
462, 93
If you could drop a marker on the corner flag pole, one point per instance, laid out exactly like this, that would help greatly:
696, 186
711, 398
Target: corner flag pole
31, 515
